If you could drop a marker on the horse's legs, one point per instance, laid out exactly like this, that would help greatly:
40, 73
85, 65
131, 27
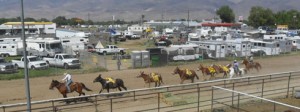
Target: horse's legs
100, 90
155, 84
119, 88
65, 96
181, 81
192, 80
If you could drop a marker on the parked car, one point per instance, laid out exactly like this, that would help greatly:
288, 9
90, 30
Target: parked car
63, 60
7, 67
34, 62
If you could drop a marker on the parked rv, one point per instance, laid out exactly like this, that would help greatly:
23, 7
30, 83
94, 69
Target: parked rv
8, 49
34, 62
63, 60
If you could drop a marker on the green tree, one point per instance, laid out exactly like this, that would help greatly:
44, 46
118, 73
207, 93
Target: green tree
226, 14
29, 19
43, 20
261, 17
60, 20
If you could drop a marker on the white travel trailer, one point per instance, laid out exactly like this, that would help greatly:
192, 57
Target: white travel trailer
72, 40
8, 49
269, 48
43, 46
72, 48
275, 37
295, 42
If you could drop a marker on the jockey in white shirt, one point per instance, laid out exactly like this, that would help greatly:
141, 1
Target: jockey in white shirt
68, 80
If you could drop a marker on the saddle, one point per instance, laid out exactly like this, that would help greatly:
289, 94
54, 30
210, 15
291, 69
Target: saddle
109, 79
225, 69
155, 77
188, 72
211, 70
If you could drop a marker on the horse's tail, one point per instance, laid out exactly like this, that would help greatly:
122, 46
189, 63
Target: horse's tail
84, 87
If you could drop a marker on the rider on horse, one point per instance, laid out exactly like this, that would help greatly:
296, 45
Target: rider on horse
236, 67
68, 80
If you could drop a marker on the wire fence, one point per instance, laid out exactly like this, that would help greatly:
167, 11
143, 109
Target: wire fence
184, 97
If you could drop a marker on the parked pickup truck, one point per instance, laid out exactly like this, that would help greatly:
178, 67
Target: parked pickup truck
110, 49
34, 62
7, 67
63, 60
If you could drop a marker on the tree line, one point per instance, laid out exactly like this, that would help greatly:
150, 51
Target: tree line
260, 16
62, 20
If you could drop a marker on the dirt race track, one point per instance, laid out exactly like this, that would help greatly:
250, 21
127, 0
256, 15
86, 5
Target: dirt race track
13, 91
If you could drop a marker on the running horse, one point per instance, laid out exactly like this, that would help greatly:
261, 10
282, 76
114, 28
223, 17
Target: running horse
222, 69
185, 74
76, 86
152, 77
109, 83
249, 65
207, 71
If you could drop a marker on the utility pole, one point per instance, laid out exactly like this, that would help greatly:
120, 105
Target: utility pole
28, 98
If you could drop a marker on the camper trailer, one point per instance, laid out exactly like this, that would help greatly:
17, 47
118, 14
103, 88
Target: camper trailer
43, 46
269, 48
8, 49
73, 40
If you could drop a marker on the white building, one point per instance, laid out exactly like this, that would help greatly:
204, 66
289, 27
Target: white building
14, 28
65, 33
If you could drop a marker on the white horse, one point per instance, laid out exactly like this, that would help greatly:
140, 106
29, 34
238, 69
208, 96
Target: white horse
242, 72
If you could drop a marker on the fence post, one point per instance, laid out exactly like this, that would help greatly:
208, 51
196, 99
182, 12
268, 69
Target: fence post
111, 108
274, 107
54, 109
198, 100
134, 96
288, 89
232, 97
96, 103
3, 109
262, 89
293, 91
158, 104
212, 99
238, 105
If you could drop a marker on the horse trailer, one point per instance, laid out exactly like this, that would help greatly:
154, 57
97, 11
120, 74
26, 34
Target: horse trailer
214, 49
9, 49
269, 48
238, 48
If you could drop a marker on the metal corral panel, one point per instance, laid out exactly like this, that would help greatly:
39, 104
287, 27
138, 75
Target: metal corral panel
145, 58
136, 58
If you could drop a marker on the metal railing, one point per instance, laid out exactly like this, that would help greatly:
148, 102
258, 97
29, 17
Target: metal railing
239, 99
193, 96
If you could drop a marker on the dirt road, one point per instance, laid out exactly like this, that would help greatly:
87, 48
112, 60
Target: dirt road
13, 91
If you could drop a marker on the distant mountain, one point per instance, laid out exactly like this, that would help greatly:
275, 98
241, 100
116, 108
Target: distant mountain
128, 10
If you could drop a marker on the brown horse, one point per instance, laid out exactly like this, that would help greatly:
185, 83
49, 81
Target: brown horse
221, 69
207, 71
184, 74
76, 86
249, 65
152, 77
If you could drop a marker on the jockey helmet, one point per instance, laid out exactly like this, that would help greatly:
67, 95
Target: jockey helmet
65, 73
234, 60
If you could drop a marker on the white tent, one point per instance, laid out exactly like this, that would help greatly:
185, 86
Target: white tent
99, 45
